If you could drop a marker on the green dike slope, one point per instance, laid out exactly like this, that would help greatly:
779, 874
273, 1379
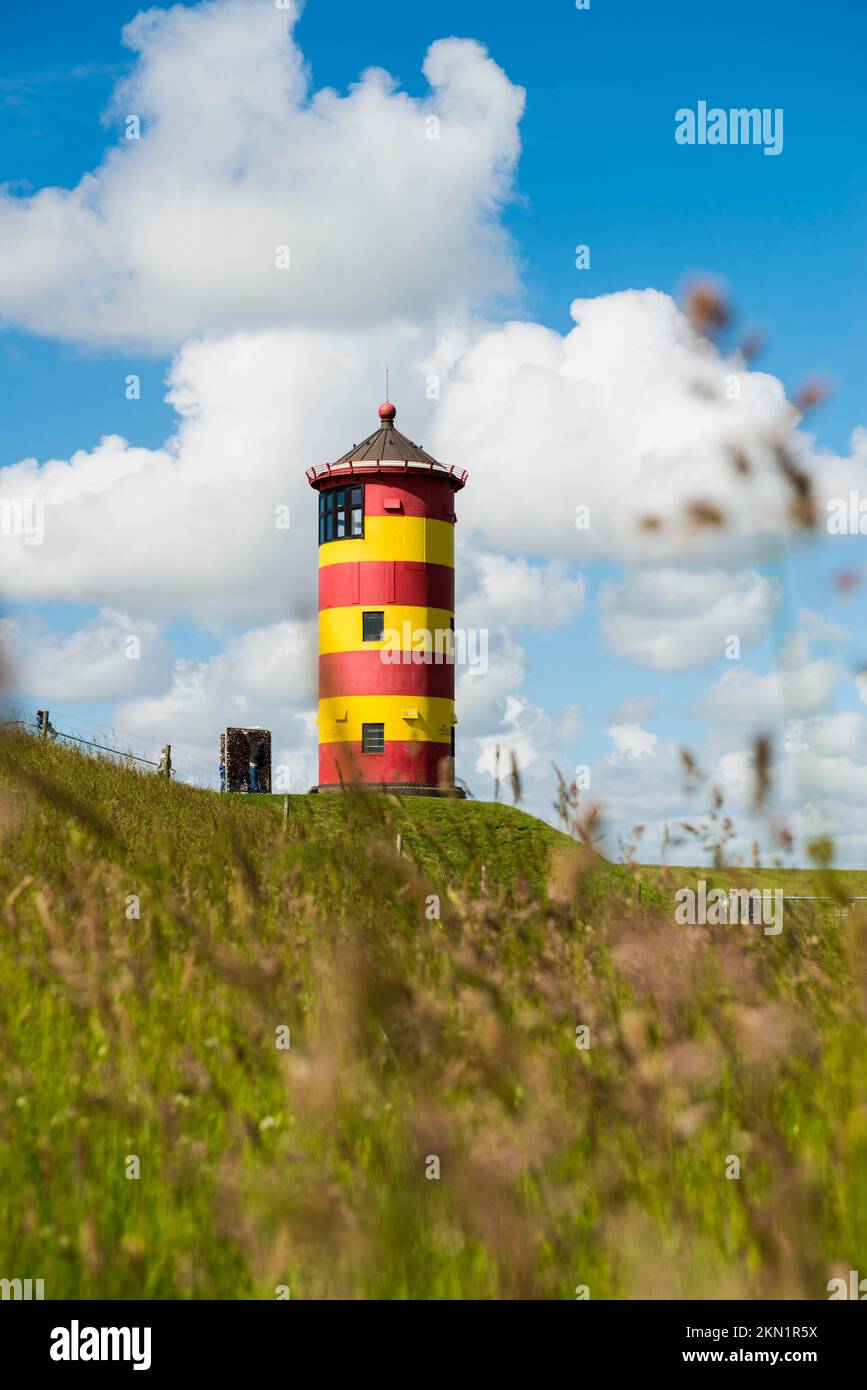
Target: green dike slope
444, 838
240, 1055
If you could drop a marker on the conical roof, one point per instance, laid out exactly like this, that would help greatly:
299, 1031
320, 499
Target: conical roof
387, 444
386, 450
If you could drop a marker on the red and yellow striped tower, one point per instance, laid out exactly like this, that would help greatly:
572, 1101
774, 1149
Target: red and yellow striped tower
386, 615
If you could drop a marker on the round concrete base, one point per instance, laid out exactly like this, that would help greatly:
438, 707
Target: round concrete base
393, 789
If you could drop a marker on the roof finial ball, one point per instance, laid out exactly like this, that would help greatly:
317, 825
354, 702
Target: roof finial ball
387, 412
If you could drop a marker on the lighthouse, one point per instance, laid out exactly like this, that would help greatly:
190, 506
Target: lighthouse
386, 615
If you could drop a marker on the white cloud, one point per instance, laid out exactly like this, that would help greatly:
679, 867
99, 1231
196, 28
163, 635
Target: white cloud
628, 415
107, 659
669, 619
843, 734
817, 628
496, 588
265, 676
631, 742
539, 740
743, 696
176, 232
481, 694
191, 529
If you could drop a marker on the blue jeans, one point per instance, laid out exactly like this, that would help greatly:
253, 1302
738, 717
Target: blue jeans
255, 779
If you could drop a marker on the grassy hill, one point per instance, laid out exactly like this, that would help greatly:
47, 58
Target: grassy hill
443, 838
158, 942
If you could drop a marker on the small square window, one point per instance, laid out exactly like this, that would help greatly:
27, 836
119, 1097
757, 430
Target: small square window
373, 627
373, 738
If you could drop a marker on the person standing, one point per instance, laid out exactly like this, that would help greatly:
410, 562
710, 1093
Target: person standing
256, 746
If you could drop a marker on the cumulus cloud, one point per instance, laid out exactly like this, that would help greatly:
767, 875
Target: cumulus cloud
819, 787
817, 629
669, 619
538, 739
177, 231
631, 741
496, 588
481, 691
200, 527
107, 659
743, 696
604, 441
264, 676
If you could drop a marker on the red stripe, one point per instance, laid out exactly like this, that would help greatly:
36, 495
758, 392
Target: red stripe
364, 673
401, 762
378, 582
418, 496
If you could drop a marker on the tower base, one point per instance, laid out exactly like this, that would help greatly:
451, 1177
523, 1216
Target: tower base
393, 789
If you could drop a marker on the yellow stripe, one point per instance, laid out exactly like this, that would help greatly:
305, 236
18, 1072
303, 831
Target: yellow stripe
415, 538
341, 629
341, 717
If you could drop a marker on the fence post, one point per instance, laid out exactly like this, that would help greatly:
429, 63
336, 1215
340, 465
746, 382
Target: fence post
285, 810
43, 722
165, 769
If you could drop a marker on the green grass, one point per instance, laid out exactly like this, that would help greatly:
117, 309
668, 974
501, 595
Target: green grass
443, 837
432, 999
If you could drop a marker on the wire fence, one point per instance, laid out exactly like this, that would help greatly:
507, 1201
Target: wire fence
104, 740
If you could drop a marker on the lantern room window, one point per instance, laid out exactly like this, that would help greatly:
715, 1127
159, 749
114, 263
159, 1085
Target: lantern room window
341, 514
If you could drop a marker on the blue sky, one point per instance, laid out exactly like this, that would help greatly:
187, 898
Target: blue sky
789, 234
599, 166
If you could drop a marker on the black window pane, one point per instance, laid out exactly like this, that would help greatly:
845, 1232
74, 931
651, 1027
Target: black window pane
342, 511
373, 626
373, 738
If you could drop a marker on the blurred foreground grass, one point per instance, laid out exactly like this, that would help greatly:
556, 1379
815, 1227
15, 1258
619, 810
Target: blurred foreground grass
413, 1036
